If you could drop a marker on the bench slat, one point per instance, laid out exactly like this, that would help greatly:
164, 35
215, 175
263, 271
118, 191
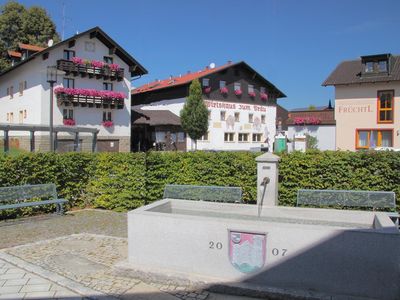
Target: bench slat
35, 203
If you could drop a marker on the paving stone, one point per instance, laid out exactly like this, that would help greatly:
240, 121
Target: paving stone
11, 282
3, 270
15, 271
10, 289
16, 296
2, 282
34, 281
40, 295
36, 288
12, 276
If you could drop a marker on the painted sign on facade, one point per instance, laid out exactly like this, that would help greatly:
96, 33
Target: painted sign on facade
354, 109
235, 106
247, 251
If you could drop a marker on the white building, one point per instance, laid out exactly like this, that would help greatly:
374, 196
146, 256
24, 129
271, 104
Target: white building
92, 90
241, 104
317, 122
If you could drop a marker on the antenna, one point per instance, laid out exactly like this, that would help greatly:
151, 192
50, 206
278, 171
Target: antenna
212, 65
50, 43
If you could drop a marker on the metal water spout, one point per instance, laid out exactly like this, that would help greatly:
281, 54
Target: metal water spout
267, 180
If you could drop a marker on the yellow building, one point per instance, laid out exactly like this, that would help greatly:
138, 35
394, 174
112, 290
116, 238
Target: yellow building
367, 110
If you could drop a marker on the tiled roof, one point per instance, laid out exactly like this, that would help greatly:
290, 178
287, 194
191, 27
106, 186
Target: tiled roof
30, 47
174, 81
154, 117
187, 78
14, 53
349, 72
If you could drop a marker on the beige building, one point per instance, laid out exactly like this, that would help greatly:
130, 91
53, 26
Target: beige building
367, 110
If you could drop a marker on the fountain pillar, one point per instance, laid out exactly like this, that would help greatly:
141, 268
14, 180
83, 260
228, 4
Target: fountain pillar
267, 167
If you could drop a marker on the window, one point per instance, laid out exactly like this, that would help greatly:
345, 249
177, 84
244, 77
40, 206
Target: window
222, 84
237, 117
263, 90
366, 139
69, 83
11, 119
10, 92
206, 82
382, 66
21, 117
68, 113
243, 137
369, 66
8, 117
22, 87
262, 119
68, 54
205, 137
385, 106
107, 116
222, 114
108, 59
209, 114
250, 118
250, 88
257, 137
107, 86
25, 114
237, 86
181, 136
229, 137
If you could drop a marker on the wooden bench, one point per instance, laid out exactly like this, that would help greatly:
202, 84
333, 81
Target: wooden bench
30, 195
373, 200
203, 193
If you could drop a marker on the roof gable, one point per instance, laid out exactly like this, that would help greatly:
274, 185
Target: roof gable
135, 68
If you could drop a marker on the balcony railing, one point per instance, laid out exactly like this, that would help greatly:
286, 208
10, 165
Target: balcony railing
89, 101
70, 67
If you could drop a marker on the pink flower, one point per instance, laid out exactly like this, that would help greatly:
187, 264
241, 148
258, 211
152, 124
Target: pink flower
223, 90
264, 96
97, 64
69, 122
77, 60
238, 92
207, 90
90, 93
307, 121
114, 67
252, 94
107, 123
58, 90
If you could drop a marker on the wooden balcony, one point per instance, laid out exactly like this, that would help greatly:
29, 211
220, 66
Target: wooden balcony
89, 101
105, 73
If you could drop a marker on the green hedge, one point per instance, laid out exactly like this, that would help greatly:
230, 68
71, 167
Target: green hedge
123, 181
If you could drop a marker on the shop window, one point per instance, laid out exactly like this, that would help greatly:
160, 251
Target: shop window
385, 106
366, 139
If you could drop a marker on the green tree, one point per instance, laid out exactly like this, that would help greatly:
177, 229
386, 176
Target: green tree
194, 115
21, 25
311, 142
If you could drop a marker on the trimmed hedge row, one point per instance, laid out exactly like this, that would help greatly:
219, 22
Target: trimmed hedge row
123, 181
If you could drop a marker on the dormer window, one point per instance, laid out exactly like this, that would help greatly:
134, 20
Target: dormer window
373, 64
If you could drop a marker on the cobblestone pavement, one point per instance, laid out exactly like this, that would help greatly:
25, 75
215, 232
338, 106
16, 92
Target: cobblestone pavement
16, 283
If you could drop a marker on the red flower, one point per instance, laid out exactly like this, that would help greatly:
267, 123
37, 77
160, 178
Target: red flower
238, 92
264, 96
223, 90
69, 122
207, 90
107, 124
252, 94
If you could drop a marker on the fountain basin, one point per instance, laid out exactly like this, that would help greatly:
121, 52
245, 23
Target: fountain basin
333, 252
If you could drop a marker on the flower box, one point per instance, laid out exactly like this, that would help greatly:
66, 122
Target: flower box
69, 122
207, 90
90, 93
307, 121
264, 96
252, 94
238, 92
107, 124
223, 90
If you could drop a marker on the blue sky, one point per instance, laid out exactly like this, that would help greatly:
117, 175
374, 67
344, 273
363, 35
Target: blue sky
294, 44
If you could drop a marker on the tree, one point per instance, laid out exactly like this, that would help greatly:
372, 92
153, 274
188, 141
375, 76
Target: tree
194, 115
311, 141
21, 25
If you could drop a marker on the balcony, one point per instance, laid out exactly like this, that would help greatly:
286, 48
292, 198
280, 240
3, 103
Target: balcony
71, 68
89, 101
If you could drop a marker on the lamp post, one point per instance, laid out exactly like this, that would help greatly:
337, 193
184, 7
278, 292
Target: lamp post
51, 78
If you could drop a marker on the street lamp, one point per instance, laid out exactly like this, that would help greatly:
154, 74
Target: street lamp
51, 78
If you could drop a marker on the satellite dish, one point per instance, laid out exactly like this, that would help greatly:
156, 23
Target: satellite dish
212, 65
50, 43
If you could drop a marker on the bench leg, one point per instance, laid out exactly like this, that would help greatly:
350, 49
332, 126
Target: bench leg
59, 209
